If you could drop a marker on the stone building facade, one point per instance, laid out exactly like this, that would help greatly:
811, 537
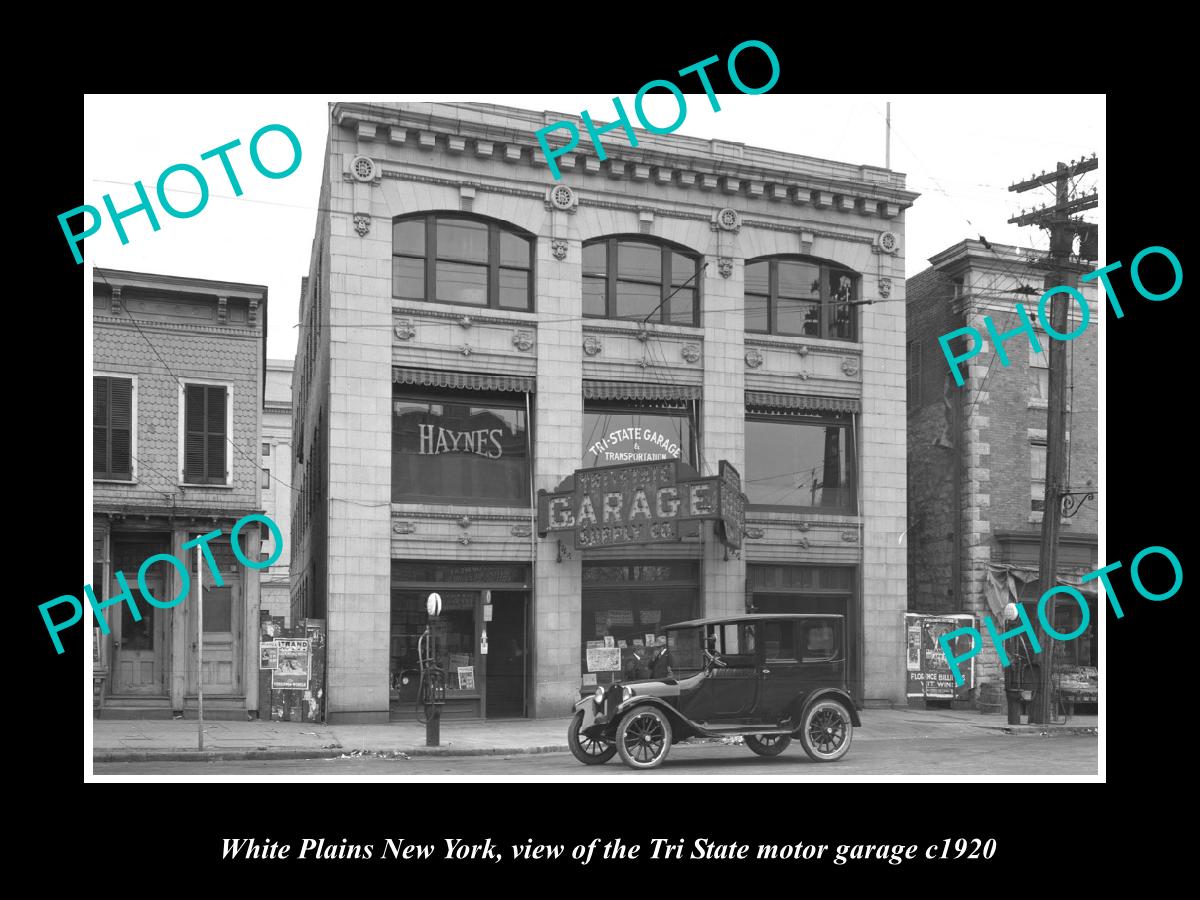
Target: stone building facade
473, 331
976, 464
178, 369
274, 476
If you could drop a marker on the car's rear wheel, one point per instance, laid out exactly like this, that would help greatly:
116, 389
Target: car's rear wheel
827, 731
768, 744
587, 750
644, 737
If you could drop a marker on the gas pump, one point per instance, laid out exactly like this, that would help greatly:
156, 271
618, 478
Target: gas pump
431, 690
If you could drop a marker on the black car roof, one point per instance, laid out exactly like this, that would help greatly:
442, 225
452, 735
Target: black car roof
754, 617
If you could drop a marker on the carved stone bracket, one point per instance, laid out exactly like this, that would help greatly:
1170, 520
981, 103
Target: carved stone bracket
803, 543
465, 321
885, 287
464, 539
466, 350
849, 366
559, 249
362, 224
849, 536
754, 358
115, 306
592, 345
802, 526
725, 266
404, 329
523, 340
222, 310
690, 352
464, 522
253, 311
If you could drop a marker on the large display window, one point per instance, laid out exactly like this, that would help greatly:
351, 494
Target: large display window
624, 603
468, 446
802, 463
616, 432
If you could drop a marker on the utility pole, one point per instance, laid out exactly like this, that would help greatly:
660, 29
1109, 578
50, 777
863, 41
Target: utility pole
1060, 271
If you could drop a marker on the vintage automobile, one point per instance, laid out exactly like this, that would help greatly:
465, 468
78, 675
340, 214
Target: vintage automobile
767, 678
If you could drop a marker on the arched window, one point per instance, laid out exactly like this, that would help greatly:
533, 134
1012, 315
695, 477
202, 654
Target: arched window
454, 258
801, 296
632, 277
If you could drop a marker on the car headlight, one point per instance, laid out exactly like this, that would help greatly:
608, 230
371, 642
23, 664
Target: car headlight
598, 697
626, 693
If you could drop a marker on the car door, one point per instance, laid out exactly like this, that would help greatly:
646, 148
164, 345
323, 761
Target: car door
781, 675
727, 693
822, 659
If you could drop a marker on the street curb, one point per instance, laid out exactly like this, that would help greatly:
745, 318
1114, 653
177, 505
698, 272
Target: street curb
1047, 730
315, 753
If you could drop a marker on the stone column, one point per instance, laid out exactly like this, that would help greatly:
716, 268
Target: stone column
558, 450
723, 423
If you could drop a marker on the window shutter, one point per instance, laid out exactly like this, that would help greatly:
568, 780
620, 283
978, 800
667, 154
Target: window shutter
120, 426
215, 431
99, 426
193, 439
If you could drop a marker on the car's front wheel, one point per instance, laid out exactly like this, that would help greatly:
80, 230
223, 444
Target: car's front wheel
644, 737
768, 744
827, 731
587, 750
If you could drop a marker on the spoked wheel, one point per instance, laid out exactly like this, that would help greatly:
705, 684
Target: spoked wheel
644, 737
768, 744
587, 750
827, 731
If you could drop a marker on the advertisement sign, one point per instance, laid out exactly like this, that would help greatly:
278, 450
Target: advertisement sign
928, 672
603, 659
642, 503
268, 655
292, 669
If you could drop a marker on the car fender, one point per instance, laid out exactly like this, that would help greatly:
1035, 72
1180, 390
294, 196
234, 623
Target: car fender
680, 724
829, 694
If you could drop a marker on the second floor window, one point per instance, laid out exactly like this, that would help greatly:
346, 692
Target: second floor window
799, 296
451, 258
112, 427
205, 434
628, 278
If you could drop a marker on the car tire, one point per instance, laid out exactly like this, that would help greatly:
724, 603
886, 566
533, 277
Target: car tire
644, 737
827, 731
768, 744
588, 751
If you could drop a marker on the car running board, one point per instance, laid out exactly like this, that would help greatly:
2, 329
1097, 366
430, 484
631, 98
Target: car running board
724, 730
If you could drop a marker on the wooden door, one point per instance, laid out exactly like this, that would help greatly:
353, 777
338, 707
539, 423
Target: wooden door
222, 641
138, 645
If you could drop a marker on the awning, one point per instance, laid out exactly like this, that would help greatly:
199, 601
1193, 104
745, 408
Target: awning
471, 381
766, 401
638, 390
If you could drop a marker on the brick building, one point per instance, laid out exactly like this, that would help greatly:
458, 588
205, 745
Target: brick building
977, 453
473, 331
275, 475
177, 399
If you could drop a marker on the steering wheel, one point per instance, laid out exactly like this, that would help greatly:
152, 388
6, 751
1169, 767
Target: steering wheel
714, 659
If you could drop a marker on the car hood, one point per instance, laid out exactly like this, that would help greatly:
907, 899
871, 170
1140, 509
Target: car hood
652, 687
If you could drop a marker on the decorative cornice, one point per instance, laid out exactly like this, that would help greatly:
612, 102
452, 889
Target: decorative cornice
458, 517
651, 330
840, 349
248, 333
457, 317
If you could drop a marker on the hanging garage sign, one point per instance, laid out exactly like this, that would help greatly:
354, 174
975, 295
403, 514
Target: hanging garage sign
642, 503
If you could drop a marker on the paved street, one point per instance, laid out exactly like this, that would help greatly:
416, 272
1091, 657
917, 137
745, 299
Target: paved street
991, 754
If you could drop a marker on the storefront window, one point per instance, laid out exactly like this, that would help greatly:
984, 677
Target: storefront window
623, 605
454, 644
463, 446
798, 463
615, 433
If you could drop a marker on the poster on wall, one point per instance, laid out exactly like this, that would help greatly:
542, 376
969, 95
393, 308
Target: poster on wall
268, 655
466, 678
292, 668
604, 659
931, 678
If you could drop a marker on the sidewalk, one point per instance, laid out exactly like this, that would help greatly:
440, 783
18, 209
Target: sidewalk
144, 740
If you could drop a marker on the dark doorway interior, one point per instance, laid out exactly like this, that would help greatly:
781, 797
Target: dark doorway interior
508, 656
